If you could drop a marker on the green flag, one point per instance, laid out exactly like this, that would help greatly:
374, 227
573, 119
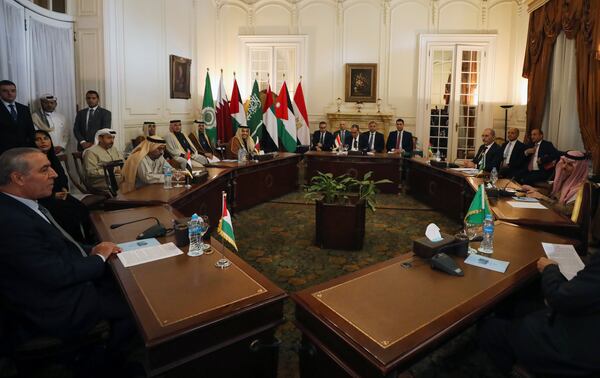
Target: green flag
479, 207
225, 228
255, 114
208, 112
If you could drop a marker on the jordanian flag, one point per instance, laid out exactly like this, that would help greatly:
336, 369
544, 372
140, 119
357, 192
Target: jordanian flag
208, 112
255, 114
286, 121
479, 208
236, 108
225, 226
269, 120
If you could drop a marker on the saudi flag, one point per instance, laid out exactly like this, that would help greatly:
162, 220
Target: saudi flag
225, 226
286, 121
255, 114
236, 108
269, 120
479, 207
208, 112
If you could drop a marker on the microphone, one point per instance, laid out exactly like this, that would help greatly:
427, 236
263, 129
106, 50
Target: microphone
155, 231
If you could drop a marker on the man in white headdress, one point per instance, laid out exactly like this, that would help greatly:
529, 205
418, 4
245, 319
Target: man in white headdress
48, 119
178, 145
102, 152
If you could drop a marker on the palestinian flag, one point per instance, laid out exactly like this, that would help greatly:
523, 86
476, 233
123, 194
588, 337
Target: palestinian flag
208, 112
286, 121
236, 108
479, 208
225, 226
268, 119
255, 122
300, 111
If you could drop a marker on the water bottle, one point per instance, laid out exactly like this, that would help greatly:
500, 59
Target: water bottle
195, 236
241, 155
168, 177
494, 177
487, 244
437, 155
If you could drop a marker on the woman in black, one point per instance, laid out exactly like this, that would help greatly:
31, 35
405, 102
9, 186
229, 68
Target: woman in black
67, 210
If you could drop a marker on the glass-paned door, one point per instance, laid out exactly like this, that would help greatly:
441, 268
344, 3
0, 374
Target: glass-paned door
261, 62
441, 89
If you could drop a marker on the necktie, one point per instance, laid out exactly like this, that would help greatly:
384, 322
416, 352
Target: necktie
322, 138
355, 144
13, 112
342, 135
65, 234
89, 118
371, 140
399, 140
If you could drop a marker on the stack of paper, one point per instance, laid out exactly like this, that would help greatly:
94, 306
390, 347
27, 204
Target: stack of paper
567, 258
147, 254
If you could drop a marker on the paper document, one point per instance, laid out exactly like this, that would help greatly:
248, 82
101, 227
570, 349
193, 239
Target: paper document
467, 171
487, 263
214, 159
526, 205
229, 160
567, 258
144, 255
137, 244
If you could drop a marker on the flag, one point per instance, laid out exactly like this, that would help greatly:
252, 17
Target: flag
225, 226
268, 119
479, 207
188, 164
208, 112
257, 143
286, 122
338, 141
236, 107
224, 128
255, 114
300, 111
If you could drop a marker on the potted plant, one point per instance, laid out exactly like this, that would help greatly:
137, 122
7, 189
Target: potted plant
340, 204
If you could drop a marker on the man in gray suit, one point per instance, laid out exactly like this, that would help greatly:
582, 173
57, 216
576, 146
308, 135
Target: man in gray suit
89, 120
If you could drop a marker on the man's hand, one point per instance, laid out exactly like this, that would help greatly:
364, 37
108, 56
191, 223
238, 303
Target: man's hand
469, 164
530, 151
105, 249
86, 145
543, 262
61, 195
208, 156
58, 149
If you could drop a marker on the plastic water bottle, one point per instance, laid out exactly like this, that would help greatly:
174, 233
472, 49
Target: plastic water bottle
241, 155
487, 244
437, 155
494, 177
195, 236
168, 177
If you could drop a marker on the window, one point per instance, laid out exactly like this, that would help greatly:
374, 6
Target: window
53, 5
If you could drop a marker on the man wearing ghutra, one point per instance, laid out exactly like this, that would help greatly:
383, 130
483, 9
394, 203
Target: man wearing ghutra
178, 146
145, 165
103, 151
202, 142
47, 119
242, 140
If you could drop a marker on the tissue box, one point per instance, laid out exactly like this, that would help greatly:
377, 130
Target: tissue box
425, 248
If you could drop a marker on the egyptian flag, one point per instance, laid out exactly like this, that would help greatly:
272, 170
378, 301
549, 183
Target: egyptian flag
338, 141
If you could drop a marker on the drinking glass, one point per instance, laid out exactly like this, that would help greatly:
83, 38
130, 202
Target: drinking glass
473, 230
178, 177
204, 225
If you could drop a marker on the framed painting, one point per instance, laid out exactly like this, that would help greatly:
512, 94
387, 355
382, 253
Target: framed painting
361, 82
180, 70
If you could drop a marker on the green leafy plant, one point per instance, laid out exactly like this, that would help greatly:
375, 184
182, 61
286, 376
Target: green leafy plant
341, 189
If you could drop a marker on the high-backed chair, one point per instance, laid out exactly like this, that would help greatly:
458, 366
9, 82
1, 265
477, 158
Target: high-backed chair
110, 177
91, 201
582, 211
80, 169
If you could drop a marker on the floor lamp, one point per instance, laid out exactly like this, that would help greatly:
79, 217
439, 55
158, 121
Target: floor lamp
506, 107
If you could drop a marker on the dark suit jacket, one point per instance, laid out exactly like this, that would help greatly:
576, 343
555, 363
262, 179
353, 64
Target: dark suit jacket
100, 120
328, 142
407, 142
16, 134
349, 141
546, 153
493, 158
379, 141
43, 276
344, 139
201, 143
517, 157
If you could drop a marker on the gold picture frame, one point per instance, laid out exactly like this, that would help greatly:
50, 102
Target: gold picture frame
180, 74
361, 82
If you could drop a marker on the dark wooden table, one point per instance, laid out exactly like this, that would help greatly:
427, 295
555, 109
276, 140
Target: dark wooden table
383, 166
379, 320
193, 317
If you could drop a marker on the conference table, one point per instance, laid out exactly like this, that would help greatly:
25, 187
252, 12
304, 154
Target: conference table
377, 321
194, 318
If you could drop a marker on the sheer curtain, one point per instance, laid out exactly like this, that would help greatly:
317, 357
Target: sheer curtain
13, 59
561, 120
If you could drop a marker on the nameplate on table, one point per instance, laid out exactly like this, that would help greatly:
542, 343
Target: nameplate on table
148, 254
526, 205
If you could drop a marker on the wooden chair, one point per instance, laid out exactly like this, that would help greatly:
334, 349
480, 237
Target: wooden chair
79, 168
109, 175
91, 201
582, 213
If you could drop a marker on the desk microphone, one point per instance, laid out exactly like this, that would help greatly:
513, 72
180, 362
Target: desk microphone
155, 231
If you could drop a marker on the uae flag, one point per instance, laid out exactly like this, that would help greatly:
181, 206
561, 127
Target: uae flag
300, 111
255, 114
286, 122
269, 120
225, 226
188, 164
236, 107
224, 129
208, 112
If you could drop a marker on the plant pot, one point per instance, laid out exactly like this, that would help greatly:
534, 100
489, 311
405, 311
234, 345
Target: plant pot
340, 226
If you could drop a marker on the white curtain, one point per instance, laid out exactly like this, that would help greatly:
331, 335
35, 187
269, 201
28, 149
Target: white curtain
561, 121
13, 57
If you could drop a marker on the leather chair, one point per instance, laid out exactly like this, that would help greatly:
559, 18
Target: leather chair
582, 213
91, 201
79, 168
109, 175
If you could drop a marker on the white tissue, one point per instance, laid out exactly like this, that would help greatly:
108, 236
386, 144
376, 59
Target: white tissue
433, 233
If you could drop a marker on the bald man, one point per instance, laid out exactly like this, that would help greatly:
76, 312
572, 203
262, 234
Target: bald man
513, 154
489, 155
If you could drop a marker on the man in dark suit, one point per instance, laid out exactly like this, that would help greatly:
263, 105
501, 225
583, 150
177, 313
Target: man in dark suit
489, 155
513, 154
201, 141
53, 286
372, 140
322, 139
541, 156
90, 120
15, 119
561, 338
353, 140
342, 132
401, 140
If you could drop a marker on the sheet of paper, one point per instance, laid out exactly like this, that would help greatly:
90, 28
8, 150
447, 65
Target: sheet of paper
467, 171
137, 244
229, 160
214, 159
144, 255
487, 263
567, 258
526, 205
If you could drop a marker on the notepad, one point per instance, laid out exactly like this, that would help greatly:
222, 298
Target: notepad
148, 254
526, 205
487, 263
569, 262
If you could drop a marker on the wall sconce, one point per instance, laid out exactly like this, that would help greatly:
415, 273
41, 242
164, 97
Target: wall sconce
359, 105
379, 101
338, 101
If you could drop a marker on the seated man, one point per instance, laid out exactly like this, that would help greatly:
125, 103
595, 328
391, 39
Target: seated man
241, 141
489, 155
148, 129
372, 140
145, 165
401, 140
342, 132
94, 157
354, 141
561, 338
540, 156
322, 139
178, 146
53, 286
513, 154
202, 142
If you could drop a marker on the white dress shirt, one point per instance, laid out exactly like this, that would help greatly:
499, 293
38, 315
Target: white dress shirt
535, 156
508, 151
